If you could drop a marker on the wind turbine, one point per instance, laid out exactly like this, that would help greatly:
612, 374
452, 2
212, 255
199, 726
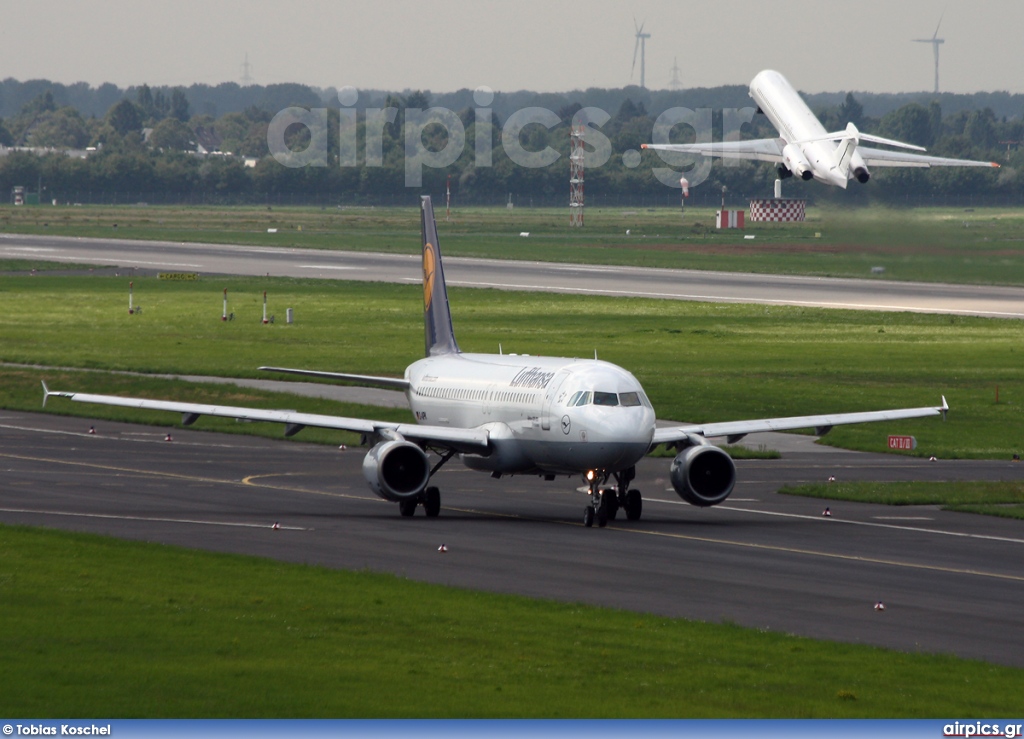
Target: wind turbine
934, 41
641, 46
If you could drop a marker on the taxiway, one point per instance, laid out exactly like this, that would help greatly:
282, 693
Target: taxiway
950, 582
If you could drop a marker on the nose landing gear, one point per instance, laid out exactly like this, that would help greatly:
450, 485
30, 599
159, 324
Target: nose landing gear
606, 501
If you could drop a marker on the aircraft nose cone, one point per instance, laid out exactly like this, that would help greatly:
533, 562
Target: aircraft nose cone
625, 425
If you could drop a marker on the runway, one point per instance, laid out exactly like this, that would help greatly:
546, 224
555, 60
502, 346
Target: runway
951, 583
669, 284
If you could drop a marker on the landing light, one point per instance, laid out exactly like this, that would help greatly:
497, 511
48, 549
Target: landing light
591, 475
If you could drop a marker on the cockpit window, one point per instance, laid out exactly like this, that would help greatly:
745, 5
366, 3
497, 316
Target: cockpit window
629, 399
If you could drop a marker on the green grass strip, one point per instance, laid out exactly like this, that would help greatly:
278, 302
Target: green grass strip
1004, 499
699, 362
94, 627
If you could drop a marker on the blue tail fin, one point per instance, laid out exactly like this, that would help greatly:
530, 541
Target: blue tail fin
437, 318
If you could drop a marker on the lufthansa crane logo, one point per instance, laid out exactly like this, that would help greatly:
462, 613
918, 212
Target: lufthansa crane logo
566, 425
429, 266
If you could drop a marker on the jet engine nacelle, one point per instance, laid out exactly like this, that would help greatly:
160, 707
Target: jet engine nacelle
862, 174
396, 470
796, 162
703, 475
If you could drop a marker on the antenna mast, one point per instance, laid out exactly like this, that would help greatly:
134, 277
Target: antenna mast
576, 157
676, 83
246, 71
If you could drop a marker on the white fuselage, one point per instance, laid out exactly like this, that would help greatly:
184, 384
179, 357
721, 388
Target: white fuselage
797, 125
543, 415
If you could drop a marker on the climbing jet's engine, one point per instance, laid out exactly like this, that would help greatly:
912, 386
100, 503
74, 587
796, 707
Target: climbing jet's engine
796, 162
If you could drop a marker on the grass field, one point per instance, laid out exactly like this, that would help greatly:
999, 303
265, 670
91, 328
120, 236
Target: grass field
698, 362
1005, 499
96, 627
983, 246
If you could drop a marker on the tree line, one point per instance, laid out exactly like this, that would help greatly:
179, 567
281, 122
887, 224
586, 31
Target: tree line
143, 148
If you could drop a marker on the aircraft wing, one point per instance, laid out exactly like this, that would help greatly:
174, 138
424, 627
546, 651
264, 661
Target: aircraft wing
736, 430
471, 440
390, 383
886, 158
764, 150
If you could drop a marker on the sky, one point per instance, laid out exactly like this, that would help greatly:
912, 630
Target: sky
507, 45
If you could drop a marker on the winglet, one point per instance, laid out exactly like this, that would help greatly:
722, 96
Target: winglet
945, 408
47, 392
437, 318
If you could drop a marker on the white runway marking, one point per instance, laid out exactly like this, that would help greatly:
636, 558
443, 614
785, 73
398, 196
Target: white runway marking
904, 518
833, 519
233, 524
155, 437
730, 299
328, 266
128, 262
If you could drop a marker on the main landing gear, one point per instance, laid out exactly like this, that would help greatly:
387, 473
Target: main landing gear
430, 498
606, 501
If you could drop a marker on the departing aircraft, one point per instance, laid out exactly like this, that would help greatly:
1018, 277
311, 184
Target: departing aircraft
805, 149
510, 414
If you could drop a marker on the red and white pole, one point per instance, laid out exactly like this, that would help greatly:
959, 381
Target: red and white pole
224, 316
131, 290
265, 306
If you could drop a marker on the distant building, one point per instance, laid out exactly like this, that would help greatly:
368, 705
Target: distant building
44, 150
208, 141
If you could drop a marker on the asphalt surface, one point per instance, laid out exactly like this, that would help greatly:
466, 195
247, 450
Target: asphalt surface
996, 302
950, 583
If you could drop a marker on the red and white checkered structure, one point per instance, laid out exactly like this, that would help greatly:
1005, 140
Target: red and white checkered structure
729, 219
778, 209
